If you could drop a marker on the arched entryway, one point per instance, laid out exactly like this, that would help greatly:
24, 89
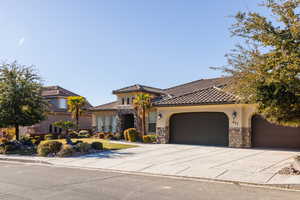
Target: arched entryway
268, 135
128, 121
203, 128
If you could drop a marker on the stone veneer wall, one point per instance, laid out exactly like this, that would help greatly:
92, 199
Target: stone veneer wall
239, 137
120, 120
162, 135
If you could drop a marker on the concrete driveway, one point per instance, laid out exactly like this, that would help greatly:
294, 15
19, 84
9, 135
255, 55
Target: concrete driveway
244, 165
222, 163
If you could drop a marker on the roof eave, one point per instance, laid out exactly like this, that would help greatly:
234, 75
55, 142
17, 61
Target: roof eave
123, 92
195, 104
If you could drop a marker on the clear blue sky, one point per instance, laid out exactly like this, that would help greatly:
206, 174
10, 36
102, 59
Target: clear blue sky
93, 47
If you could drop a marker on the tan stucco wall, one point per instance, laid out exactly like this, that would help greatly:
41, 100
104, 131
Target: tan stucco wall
130, 95
243, 118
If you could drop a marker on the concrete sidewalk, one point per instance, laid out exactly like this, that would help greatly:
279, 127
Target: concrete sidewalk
256, 166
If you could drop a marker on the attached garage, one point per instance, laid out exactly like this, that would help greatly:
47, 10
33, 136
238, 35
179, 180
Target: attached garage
202, 128
265, 134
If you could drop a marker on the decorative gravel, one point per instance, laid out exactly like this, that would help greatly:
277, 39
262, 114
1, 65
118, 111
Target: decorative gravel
289, 171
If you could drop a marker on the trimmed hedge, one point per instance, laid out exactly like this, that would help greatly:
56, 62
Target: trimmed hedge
149, 139
97, 145
50, 137
49, 148
131, 135
83, 147
66, 151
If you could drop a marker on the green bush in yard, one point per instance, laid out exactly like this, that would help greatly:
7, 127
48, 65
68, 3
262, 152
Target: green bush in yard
97, 145
73, 135
83, 147
149, 138
49, 148
8, 148
108, 136
83, 134
131, 135
3, 140
66, 151
49, 137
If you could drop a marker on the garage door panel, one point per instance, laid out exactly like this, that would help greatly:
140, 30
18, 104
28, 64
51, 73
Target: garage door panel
199, 128
265, 134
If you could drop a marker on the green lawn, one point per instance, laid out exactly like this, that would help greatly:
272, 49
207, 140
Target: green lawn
107, 145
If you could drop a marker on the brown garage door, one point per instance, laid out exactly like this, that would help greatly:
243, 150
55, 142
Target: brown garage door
205, 128
265, 134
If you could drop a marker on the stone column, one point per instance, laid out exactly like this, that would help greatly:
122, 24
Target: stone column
162, 135
239, 137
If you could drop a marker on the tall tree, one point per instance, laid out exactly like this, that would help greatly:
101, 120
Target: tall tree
76, 106
21, 102
142, 102
266, 69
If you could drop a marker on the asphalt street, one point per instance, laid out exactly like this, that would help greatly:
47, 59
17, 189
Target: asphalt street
20, 181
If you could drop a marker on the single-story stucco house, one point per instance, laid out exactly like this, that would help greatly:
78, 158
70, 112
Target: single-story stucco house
199, 112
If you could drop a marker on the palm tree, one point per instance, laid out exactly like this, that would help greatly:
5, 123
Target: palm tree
75, 106
142, 102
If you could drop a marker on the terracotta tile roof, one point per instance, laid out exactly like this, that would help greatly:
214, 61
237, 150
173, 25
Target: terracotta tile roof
197, 85
56, 91
210, 95
139, 88
106, 107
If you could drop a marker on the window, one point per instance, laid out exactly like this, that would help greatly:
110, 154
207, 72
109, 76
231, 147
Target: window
106, 123
128, 101
62, 103
152, 122
50, 128
55, 129
123, 101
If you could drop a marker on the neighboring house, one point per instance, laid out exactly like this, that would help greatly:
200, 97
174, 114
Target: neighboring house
57, 96
199, 112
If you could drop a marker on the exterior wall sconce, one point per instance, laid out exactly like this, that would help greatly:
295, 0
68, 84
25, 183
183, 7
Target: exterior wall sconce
159, 116
234, 115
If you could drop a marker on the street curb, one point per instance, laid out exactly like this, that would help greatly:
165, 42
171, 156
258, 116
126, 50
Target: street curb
25, 161
294, 187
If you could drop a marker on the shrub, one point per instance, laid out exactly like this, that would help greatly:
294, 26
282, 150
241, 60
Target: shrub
108, 136
3, 140
97, 145
131, 134
73, 135
61, 136
10, 147
66, 151
26, 140
83, 147
125, 134
149, 138
49, 137
48, 148
77, 142
118, 136
101, 135
84, 134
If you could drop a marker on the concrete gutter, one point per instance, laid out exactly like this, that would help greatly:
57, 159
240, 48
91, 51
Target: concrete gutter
27, 160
